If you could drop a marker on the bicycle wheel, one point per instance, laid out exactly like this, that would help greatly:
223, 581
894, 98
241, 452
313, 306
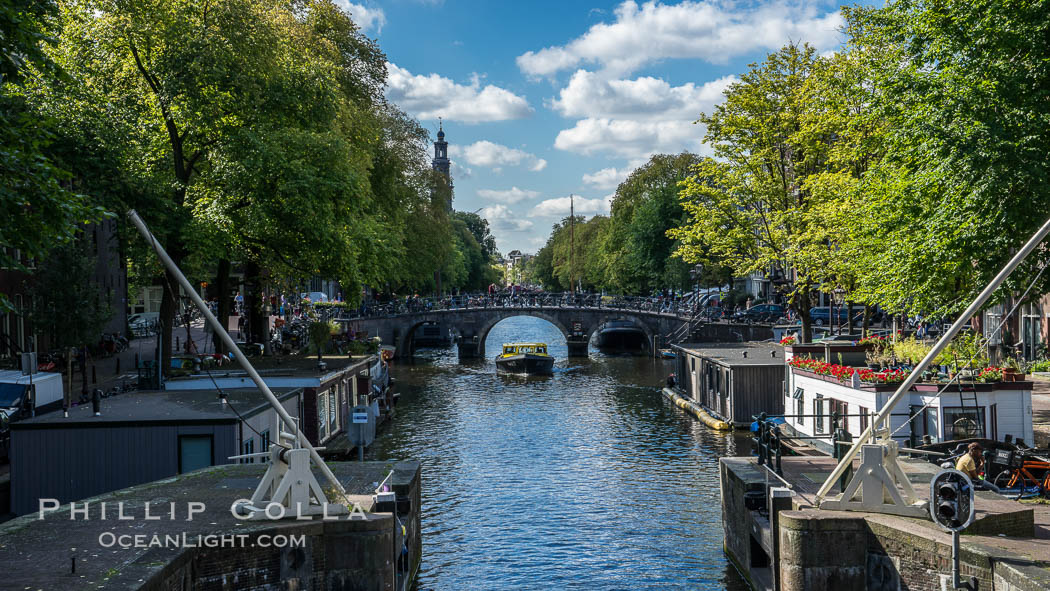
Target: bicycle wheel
1006, 480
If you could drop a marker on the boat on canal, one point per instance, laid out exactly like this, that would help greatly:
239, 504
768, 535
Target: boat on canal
525, 358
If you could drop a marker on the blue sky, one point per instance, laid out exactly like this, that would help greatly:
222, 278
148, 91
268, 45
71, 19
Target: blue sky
546, 99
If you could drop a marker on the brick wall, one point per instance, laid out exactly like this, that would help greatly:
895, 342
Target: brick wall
356, 554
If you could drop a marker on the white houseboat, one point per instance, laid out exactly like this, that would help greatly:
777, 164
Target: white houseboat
817, 389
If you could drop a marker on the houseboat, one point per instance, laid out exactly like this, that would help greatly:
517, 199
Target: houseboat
732, 381
820, 387
526, 358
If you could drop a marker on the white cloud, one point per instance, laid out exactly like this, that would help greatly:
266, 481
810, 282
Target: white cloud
606, 178
503, 219
511, 195
559, 207
628, 138
592, 95
710, 30
634, 118
433, 96
460, 172
364, 17
493, 155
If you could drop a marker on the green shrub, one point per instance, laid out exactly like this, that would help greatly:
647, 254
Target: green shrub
1041, 365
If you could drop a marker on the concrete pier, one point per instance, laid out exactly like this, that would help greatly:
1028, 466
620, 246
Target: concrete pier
361, 551
792, 546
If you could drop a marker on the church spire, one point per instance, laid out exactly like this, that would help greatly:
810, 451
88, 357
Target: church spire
441, 163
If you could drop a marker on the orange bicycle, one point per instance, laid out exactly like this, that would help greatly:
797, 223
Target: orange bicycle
1026, 474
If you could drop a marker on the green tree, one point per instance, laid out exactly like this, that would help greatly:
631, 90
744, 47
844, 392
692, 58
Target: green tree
67, 304
564, 260
479, 228
750, 209
37, 204
637, 249
963, 179
179, 79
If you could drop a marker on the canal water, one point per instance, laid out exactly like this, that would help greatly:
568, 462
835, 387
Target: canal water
587, 479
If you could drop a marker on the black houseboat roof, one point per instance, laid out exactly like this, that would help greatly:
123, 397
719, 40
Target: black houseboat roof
732, 354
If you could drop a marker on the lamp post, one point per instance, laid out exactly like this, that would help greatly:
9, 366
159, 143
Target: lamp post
696, 273
838, 295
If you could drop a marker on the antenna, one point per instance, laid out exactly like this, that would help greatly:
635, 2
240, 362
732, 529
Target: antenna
572, 246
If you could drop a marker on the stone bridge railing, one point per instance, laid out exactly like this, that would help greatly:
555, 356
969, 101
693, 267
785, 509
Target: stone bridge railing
578, 316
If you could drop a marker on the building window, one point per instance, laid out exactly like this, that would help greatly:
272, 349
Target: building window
249, 448
863, 418
838, 411
322, 416
333, 414
962, 422
800, 405
818, 410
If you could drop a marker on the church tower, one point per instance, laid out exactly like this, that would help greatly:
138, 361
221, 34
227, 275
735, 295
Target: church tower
441, 162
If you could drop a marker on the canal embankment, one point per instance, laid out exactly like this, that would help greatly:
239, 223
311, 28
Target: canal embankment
779, 540
180, 533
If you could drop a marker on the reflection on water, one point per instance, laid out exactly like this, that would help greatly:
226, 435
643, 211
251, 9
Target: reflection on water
586, 479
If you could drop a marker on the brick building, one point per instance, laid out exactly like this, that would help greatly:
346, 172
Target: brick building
100, 240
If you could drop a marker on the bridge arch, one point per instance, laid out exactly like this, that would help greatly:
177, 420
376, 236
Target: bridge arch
407, 330
633, 319
486, 327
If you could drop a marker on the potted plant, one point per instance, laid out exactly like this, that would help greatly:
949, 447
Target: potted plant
990, 374
1013, 371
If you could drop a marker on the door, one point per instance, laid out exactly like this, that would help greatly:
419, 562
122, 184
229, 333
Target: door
195, 452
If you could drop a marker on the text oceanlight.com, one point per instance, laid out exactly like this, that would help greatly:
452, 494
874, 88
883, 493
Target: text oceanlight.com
111, 540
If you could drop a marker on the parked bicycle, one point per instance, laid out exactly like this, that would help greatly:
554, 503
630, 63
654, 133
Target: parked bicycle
1026, 473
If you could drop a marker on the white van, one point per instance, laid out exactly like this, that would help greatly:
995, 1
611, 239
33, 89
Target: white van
15, 395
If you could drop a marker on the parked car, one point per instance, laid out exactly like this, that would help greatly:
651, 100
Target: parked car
710, 299
143, 323
760, 313
821, 315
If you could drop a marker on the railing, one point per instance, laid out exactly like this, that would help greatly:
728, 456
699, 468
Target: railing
415, 305
769, 441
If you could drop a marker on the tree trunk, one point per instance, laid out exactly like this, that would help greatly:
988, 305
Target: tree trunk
867, 321
222, 310
167, 315
802, 307
255, 302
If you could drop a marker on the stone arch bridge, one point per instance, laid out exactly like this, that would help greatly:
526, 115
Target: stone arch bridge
471, 327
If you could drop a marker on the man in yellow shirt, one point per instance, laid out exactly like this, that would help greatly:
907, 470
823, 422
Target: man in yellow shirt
970, 462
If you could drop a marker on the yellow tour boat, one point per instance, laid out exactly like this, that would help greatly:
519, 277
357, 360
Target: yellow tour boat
527, 358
